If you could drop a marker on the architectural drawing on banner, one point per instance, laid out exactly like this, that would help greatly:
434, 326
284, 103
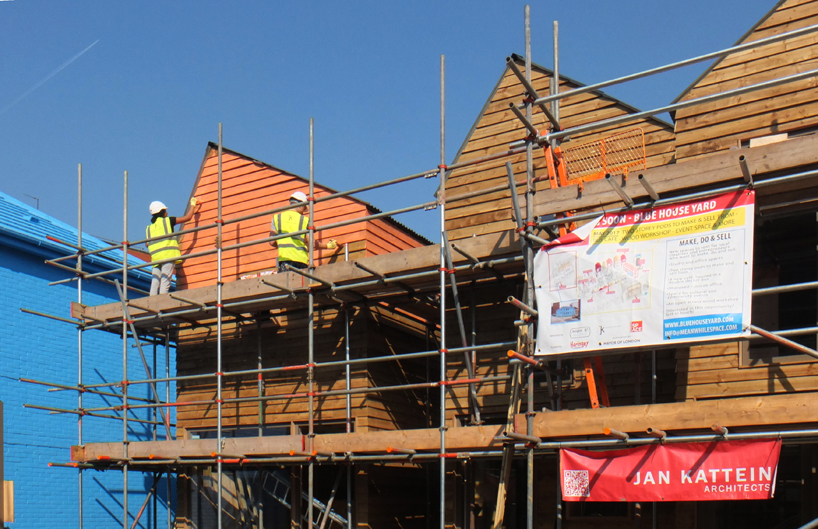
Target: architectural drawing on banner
648, 277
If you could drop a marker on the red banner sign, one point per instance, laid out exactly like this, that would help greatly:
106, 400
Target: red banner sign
719, 470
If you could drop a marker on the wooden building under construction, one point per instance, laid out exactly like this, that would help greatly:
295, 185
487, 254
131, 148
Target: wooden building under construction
377, 390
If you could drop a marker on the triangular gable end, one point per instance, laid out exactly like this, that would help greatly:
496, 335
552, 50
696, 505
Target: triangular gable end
496, 127
790, 109
250, 186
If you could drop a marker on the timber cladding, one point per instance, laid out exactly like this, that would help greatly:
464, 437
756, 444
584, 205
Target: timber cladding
787, 108
250, 186
282, 341
497, 127
718, 371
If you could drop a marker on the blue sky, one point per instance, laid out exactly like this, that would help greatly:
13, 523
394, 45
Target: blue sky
149, 95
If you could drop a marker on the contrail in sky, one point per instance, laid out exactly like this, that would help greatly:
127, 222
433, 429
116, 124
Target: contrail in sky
62, 67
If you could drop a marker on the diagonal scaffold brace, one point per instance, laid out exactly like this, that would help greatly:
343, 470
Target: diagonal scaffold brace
525, 244
127, 317
475, 406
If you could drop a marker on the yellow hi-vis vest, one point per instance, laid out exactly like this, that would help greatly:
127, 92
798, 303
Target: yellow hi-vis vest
291, 248
163, 248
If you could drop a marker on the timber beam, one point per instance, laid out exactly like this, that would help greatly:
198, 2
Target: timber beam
769, 410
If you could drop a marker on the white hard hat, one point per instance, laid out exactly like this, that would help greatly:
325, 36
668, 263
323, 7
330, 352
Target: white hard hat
156, 207
298, 196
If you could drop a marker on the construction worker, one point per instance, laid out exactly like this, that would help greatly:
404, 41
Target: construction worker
293, 250
166, 248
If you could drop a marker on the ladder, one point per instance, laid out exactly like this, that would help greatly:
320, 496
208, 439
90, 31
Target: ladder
277, 485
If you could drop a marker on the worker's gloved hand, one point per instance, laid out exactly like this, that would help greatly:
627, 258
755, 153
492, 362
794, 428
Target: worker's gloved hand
193, 202
332, 244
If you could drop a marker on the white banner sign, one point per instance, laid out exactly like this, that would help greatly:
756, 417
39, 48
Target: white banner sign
678, 273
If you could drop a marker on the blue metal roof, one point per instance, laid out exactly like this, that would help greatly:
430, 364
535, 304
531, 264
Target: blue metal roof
23, 223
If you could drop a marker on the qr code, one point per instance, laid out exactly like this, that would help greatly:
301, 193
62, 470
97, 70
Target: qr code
575, 483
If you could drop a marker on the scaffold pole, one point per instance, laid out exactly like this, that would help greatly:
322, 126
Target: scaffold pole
125, 365
441, 200
79, 340
311, 331
219, 285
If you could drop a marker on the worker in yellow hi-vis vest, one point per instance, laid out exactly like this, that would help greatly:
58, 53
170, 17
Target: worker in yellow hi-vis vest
167, 248
293, 250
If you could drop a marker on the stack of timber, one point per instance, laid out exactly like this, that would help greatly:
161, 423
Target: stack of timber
791, 108
282, 341
250, 186
496, 127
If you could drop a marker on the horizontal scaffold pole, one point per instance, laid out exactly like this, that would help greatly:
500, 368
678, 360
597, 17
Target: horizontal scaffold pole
680, 64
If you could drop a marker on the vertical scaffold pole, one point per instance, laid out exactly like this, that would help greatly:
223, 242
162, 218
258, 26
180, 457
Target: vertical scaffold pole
441, 200
555, 79
79, 333
259, 366
155, 411
555, 110
260, 488
154, 415
125, 358
529, 209
653, 401
310, 330
348, 374
167, 425
219, 223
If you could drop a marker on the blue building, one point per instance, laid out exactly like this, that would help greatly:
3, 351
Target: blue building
46, 349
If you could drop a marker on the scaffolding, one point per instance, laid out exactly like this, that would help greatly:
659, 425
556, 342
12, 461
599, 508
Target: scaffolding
371, 286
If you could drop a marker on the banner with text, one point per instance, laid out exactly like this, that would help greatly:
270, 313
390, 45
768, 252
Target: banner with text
719, 470
677, 273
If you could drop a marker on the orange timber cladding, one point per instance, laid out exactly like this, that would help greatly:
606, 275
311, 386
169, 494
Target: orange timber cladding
250, 186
